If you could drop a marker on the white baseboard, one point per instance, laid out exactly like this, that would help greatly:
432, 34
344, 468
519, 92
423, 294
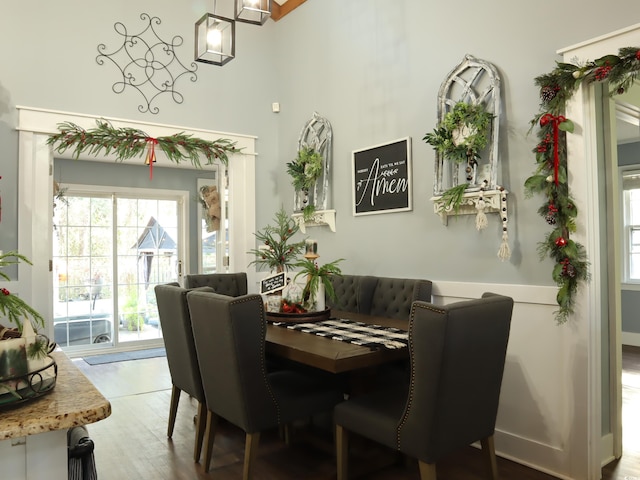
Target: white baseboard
629, 338
606, 447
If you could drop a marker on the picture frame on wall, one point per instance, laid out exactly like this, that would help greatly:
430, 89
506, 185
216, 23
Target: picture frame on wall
382, 178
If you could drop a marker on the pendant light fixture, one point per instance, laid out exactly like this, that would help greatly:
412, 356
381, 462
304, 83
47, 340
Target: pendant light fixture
215, 41
252, 11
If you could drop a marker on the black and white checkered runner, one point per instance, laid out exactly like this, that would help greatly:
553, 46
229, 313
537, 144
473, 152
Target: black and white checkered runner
358, 333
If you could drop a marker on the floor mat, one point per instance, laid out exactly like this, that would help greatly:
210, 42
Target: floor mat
123, 356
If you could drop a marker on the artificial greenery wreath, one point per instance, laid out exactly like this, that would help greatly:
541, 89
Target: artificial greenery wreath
462, 133
550, 178
305, 169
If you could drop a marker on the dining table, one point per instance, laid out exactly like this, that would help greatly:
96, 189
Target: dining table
331, 355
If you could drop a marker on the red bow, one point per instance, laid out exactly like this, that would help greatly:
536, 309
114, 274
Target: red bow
151, 155
557, 120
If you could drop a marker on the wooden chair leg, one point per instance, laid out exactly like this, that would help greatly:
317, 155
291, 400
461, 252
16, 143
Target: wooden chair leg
250, 454
201, 427
489, 454
210, 434
427, 470
173, 409
342, 452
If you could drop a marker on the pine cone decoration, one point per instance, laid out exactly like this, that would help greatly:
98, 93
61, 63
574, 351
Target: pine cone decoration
550, 218
548, 93
571, 271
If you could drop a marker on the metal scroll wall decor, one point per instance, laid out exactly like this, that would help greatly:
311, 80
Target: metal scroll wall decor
467, 97
315, 138
147, 64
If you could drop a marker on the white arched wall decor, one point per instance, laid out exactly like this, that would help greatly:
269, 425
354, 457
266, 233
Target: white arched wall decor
35, 191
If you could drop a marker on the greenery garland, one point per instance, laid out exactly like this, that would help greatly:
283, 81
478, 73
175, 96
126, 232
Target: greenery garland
550, 178
127, 143
462, 133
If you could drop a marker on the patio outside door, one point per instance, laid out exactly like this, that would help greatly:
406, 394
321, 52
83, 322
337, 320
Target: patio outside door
109, 252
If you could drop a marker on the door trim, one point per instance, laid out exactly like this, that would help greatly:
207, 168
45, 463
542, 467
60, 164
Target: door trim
35, 195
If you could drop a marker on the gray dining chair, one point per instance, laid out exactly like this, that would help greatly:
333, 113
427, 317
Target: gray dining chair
232, 284
457, 357
237, 386
181, 355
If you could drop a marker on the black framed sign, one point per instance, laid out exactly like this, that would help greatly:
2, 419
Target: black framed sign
382, 178
273, 283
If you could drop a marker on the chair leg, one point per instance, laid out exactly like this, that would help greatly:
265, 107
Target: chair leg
201, 426
250, 454
342, 452
489, 454
173, 409
427, 470
210, 434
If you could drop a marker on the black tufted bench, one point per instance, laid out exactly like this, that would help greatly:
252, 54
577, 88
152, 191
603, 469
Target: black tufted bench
379, 296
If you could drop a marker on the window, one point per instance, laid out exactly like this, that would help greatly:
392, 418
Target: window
631, 222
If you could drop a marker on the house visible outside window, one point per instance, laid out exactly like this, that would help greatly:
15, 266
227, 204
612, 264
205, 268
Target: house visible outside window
631, 236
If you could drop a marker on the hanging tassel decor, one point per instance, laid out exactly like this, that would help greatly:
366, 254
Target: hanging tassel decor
481, 216
504, 252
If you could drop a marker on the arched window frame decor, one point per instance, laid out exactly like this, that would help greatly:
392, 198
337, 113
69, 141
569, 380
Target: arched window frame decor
477, 83
317, 135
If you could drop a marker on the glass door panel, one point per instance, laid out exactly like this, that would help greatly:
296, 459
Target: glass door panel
108, 255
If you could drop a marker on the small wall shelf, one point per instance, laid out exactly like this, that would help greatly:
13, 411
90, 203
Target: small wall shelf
319, 218
492, 200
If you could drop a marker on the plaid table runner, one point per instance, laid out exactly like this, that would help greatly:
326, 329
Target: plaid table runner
358, 333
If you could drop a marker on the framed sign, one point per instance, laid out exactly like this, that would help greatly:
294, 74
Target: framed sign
382, 178
273, 283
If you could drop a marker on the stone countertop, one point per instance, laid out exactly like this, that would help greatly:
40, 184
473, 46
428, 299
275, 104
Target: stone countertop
74, 401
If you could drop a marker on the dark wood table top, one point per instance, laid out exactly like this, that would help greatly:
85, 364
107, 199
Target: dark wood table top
333, 355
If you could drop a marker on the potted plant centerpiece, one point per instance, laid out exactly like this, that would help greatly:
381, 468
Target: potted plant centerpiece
318, 282
305, 170
278, 253
22, 350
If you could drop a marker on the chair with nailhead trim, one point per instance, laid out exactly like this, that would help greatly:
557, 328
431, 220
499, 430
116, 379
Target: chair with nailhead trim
181, 355
237, 385
457, 357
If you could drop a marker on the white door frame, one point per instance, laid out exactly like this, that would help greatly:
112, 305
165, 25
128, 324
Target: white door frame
583, 182
35, 195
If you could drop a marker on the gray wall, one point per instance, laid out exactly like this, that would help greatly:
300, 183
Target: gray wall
372, 67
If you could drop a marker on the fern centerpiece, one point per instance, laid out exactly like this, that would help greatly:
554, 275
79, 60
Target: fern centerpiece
316, 276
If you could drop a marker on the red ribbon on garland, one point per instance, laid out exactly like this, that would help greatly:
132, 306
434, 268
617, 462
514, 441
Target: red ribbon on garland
557, 120
151, 154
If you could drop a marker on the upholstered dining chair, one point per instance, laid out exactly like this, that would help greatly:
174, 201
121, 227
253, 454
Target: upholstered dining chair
457, 356
236, 384
231, 284
181, 355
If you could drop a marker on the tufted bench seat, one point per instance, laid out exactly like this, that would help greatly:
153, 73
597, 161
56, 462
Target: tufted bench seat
379, 296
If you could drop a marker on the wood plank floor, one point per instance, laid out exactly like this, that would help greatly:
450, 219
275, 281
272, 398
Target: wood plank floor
132, 442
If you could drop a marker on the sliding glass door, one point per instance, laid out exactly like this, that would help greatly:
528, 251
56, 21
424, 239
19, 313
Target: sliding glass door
109, 252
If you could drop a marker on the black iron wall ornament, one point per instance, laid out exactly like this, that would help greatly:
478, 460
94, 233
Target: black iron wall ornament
147, 63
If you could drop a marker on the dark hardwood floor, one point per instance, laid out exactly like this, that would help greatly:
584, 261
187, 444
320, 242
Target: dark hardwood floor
132, 442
